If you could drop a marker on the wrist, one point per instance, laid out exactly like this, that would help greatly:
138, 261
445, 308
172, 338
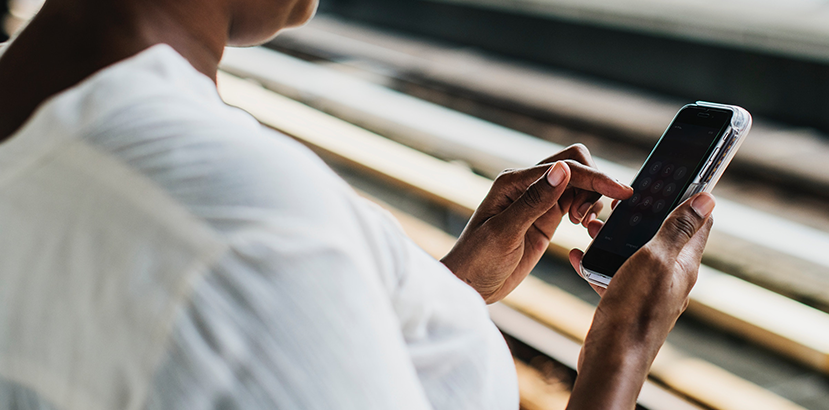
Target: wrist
609, 382
622, 346
616, 362
625, 339
455, 268
638, 319
485, 290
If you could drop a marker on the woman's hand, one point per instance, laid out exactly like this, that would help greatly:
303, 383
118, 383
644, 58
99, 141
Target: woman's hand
640, 307
513, 226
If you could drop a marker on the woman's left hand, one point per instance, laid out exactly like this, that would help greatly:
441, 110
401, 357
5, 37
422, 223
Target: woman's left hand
513, 226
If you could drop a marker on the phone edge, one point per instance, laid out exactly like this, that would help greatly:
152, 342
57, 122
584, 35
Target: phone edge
741, 123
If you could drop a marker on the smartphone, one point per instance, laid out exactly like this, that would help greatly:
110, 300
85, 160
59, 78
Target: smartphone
690, 158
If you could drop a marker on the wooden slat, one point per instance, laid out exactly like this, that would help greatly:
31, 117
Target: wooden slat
794, 29
536, 392
560, 310
760, 247
703, 381
764, 317
458, 187
572, 317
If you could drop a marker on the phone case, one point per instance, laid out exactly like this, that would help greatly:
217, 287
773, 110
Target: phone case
724, 152
710, 174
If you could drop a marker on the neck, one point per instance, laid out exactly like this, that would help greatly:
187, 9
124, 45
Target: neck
70, 40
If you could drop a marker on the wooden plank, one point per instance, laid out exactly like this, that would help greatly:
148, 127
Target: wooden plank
536, 392
456, 185
788, 153
558, 309
802, 332
703, 381
758, 246
795, 29
572, 317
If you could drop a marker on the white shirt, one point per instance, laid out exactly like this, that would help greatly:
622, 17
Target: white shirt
159, 250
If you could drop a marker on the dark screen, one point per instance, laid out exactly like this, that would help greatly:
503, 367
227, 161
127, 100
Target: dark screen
663, 180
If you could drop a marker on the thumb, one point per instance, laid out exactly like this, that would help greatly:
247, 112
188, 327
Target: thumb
684, 222
539, 197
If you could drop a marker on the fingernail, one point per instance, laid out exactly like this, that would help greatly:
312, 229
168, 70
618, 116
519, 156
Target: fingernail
624, 184
703, 205
584, 208
556, 175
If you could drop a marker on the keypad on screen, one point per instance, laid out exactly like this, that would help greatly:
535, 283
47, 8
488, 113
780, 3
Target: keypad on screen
654, 192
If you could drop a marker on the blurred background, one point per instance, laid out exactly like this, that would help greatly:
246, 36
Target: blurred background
388, 91
15, 14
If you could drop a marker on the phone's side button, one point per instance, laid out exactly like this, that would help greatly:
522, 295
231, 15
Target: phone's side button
600, 280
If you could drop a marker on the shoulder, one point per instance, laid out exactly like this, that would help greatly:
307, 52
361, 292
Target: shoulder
218, 157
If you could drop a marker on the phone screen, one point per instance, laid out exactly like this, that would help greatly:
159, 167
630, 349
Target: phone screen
668, 172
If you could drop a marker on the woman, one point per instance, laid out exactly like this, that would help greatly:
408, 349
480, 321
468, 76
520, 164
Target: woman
162, 250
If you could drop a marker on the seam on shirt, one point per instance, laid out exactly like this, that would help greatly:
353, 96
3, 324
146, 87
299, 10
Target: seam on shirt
211, 244
208, 246
183, 297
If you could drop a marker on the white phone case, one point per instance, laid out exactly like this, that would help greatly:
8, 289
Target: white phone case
710, 174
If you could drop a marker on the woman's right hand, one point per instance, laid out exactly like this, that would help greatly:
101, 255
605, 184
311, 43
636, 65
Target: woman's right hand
640, 307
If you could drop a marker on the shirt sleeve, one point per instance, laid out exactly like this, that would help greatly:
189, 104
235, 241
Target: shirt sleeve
296, 323
322, 302
264, 331
461, 358
302, 322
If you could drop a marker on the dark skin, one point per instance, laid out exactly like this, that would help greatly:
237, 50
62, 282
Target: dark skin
83, 37
513, 226
511, 230
503, 241
640, 307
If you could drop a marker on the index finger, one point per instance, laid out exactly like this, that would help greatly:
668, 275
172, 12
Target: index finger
577, 152
591, 179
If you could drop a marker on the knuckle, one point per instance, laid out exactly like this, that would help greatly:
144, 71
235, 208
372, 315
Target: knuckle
580, 149
656, 259
647, 253
577, 147
665, 266
684, 226
686, 304
505, 175
541, 242
533, 197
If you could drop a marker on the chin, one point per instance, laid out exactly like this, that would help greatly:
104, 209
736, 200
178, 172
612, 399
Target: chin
298, 17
